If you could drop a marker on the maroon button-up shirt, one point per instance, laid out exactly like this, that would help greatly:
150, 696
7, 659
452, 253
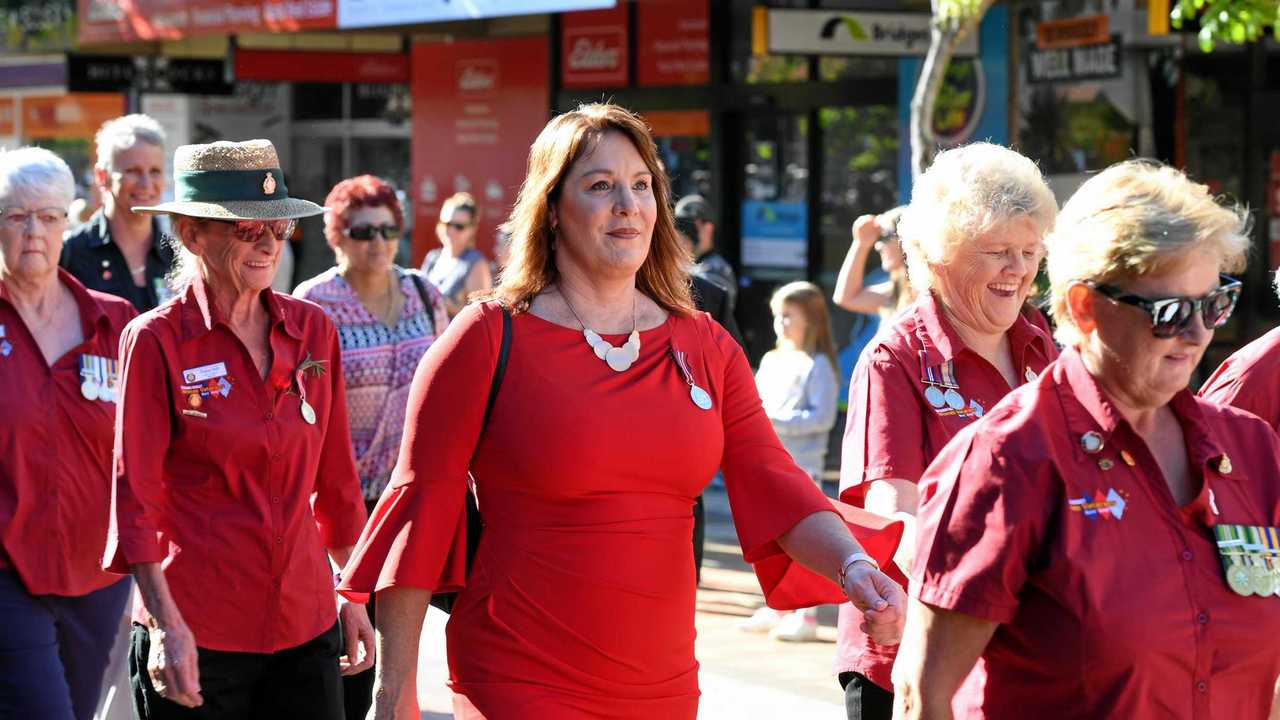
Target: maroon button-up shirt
1111, 600
219, 476
55, 447
1250, 379
894, 431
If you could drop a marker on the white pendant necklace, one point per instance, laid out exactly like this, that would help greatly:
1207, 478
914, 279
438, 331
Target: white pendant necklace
618, 358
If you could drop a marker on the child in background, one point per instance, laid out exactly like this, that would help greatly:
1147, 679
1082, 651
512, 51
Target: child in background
798, 386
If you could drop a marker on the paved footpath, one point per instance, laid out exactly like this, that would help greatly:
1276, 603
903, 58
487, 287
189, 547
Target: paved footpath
744, 677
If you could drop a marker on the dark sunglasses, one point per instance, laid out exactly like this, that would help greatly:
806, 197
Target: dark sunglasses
1171, 316
456, 225
250, 230
388, 231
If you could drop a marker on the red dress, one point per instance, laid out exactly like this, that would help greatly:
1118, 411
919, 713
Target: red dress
581, 600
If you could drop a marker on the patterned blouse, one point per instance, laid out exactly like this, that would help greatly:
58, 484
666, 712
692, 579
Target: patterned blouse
378, 364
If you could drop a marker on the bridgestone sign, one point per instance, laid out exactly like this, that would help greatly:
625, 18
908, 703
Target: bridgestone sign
827, 32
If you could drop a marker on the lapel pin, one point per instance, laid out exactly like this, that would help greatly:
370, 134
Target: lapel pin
1127, 458
1105, 464
1091, 442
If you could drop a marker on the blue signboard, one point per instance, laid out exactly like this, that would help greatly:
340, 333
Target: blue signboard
775, 234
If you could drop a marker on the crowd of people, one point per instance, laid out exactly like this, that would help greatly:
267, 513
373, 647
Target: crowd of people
1035, 517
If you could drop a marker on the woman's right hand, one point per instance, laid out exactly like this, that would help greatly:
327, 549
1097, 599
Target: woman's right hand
866, 230
173, 664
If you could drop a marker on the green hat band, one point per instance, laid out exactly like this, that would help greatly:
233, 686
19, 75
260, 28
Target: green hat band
229, 185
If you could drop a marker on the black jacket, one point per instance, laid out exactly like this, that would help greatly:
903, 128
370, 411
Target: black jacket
89, 255
713, 299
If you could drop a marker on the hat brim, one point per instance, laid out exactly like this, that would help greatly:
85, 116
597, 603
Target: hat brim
284, 209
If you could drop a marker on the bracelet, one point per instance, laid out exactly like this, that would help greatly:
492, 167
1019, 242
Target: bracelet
853, 558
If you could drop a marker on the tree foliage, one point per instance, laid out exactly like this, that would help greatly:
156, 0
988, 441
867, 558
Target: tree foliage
1225, 21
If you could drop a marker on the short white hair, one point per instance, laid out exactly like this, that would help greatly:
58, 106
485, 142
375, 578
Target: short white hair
965, 193
34, 172
1134, 219
120, 134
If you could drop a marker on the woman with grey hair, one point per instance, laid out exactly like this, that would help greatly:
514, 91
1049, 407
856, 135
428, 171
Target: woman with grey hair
1104, 540
233, 469
58, 345
117, 250
973, 237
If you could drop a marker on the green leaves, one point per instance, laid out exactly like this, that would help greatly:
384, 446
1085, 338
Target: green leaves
1226, 21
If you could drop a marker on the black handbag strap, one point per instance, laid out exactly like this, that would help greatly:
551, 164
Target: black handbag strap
500, 368
427, 306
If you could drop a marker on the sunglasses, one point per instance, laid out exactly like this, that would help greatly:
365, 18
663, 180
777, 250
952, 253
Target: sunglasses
1171, 316
456, 225
250, 231
388, 231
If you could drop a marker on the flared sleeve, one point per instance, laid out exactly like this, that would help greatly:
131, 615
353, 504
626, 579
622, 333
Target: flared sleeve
417, 534
769, 494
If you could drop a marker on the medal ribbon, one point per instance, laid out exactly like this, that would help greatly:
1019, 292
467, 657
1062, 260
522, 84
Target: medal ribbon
302, 388
944, 376
682, 362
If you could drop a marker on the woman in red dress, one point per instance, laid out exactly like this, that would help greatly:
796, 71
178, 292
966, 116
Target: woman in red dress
617, 405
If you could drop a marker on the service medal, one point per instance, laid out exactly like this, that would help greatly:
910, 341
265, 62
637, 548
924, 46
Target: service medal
1239, 579
308, 413
89, 389
700, 397
955, 400
934, 396
1263, 580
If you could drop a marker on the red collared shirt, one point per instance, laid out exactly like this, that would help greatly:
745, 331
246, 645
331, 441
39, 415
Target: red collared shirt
1111, 600
894, 431
1250, 379
55, 447
219, 477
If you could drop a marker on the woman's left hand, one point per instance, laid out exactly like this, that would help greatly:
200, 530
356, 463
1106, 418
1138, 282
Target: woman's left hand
357, 634
882, 601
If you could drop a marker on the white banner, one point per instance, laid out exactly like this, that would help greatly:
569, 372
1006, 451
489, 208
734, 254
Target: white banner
370, 13
832, 32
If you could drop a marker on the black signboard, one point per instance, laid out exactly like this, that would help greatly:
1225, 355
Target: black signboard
1086, 62
103, 73
117, 73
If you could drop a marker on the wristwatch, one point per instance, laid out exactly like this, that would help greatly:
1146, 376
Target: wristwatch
853, 558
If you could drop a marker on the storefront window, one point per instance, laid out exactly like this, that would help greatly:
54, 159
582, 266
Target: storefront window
317, 101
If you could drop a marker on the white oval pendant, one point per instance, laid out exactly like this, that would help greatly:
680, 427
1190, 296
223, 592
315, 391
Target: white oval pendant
308, 413
700, 397
618, 359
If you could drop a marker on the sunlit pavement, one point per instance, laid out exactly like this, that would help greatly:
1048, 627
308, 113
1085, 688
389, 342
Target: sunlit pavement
744, 676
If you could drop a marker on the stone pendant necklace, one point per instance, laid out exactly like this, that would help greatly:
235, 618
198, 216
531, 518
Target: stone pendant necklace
618, 358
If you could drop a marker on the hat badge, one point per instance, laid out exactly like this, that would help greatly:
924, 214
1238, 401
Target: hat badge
268, 184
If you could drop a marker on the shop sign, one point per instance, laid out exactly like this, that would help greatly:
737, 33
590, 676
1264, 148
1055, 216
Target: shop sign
775, 234
826, 32
672, 46
1087, 62
593, 48
477, 105
369, 13
321, 67
79, 115
1073, 32
116, 73
104, 21
8, 117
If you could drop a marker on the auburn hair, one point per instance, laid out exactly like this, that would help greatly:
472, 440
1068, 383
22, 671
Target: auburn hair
352, 194
531, 267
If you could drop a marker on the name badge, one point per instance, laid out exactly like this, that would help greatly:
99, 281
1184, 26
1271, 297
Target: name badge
204, 372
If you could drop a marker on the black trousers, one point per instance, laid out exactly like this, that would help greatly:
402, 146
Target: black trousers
865, 700
300, 682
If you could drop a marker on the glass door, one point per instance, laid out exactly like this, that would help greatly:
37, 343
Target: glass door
773, 218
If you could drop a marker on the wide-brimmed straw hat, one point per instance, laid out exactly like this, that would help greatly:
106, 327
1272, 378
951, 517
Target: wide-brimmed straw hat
231, 181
